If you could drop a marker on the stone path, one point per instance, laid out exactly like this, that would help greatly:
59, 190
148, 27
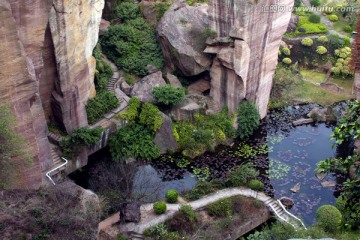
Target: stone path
149, 219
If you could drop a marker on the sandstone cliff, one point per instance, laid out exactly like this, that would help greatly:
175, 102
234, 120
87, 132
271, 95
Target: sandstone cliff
245, 68
46, 64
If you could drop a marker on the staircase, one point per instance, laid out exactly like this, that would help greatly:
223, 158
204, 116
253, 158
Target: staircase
54, 173
282, 214
136, 236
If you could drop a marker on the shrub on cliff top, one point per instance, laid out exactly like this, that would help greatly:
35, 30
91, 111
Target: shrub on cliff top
168, 95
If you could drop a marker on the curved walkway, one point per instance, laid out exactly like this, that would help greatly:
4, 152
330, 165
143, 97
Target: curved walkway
151, 220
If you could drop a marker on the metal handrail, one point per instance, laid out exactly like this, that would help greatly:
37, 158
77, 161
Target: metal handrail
48, 173
292, 215
278, 215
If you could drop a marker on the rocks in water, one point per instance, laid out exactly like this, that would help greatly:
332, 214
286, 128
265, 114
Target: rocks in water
302, 121
143, 89
182, 38
328, 184
173, 80
164, 137
296, 188
287, 202
322, 114
320, 176
130, 212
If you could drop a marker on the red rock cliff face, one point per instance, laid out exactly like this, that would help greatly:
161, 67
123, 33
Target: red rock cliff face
246, 68
20, 64
46, 71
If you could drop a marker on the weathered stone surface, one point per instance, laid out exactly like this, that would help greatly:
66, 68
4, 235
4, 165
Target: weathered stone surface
148, 11
104, 25
357, 84
261, 32
181, 37
143, 88
296, 188
199, 86
74, 28
130, 212
20, 64
302, 121
164, 137
328, 184
293, 23
287, 202
173, 80
125, 87
320, 176
192, 104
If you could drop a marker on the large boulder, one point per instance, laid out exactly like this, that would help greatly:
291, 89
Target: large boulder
293, 23
164, 137
173, 80
130, 212
182, 35
191, 105
287, 202
143, 88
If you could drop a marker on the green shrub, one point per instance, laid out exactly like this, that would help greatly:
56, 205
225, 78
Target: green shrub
287, 61
342, 65
150, 117
314, 18
315, 3
159, 207
328, 218
221, 208
333, 18
286, 51
322, 39
188, 212
126, 11
158, 231
241, 175
168, 95
335, 41
321, 50
307, 42
256, 185
85, 136
248, 119
201, 189
132, 112
98, 106
171, 196
134, 140
348, 29
347, 42
161, 8
297, 3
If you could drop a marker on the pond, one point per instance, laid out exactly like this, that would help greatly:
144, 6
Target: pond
284, 155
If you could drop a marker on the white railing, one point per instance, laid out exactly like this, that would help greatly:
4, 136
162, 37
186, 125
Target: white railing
48, 173
292, 215
283, 219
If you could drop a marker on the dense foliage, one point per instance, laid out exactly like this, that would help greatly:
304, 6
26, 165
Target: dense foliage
342, 65
256, 185
248, 119
150, 117
322, 39
286, 51
159, 207
103, 71
287, 61
315, 3
321, 50
314, 18
132, 45
98, 106
204, 133
328, 218
241, 175
305, 26
307, 42
168, 95
333, 18
220, 208
134, 140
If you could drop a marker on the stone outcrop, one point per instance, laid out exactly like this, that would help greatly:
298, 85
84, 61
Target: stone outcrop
143, 88
245, 68
357, 84
293, 23
74, 27
164, 137
181, 35
46, 65
173, 80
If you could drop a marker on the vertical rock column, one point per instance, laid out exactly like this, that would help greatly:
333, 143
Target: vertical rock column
246, 69
74, 26
19, 65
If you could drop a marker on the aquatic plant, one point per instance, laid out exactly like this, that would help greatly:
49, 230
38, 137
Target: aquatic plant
277, 169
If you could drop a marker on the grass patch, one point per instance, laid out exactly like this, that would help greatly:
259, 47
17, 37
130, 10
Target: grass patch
315, 77
309, 27
340, 25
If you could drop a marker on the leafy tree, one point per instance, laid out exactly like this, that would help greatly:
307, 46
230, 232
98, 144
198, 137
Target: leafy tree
135, 141
329, 218
150, 116
248, 119
314, 18
168, 95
